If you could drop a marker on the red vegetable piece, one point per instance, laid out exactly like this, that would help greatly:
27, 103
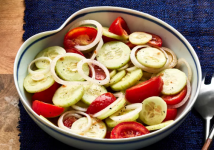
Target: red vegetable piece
79, 36
100, 103
69, 121
108, 134
108, 39
155, 41
46, 110
175, 99
139, 92
130, 45
171, 114
128, 130
46, 95
99, 73
119, 27
74, 50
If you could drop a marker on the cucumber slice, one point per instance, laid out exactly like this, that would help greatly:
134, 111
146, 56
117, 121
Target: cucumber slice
112, 35
66, 68
50, 52
91, 92
34, 86
68, 95
159, 126
112, 73
129, 80
117, 107
116, 78
114, 54
174, 81
153, 111
139, 38
111, 123
97, 130
151, 57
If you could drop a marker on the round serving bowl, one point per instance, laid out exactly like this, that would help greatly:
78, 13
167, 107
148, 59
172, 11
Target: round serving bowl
137, 21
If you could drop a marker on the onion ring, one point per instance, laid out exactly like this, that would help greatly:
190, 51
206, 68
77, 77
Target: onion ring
182, 60
185, 98
75, 107
174, 61
147, 69
99, 46
99, 82
96, 40
137, 108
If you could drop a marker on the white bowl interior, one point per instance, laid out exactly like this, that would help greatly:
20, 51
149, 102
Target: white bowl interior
136, 22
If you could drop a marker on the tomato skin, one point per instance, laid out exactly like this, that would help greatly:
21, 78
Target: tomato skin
73, 50
46, 110
128, 129
139, 92
155, 41
100, 103
108, 39
99, 73
175, 99
46, 95
79, 36
69, 121
108, 135
119, 27
171, 114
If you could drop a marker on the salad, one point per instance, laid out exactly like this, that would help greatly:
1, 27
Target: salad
107, 82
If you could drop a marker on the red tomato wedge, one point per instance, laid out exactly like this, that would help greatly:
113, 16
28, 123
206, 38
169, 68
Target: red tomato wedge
108, 134
100, 103
119, 27
128, 130
79, 36
99, 73
175, 99
74, 50
69, 121
139, 92
155, 41
46, 110
171, 114
46, 95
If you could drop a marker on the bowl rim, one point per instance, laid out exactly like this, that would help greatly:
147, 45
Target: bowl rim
98, 9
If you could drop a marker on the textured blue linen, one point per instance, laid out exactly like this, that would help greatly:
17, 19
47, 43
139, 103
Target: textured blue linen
192, 18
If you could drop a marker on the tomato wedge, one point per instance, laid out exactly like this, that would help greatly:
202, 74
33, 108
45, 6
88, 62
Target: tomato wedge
99, 73
100, 103
171, 114
128, 130
46, 95
79, 36
74, 50
139, 92
119, 27
46, 110
155, 41
175, 99
69, 121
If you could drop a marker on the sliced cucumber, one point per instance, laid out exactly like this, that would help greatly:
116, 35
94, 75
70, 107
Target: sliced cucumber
139, 38
119, 106
68, 95
91, 92
50, 52
112, 35
112, 73
97, 130
159, 126
114, 54
34, 86
66, 68
81, 104
174, 81
151, 57
116, 78
129, 80
111, 123
153, 111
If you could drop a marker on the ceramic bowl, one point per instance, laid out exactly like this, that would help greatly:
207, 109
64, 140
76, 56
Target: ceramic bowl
137, 21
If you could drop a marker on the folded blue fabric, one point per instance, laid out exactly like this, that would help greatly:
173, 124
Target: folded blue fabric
193, 18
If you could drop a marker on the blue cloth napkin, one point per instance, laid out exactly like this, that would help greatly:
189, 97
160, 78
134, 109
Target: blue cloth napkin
193, 18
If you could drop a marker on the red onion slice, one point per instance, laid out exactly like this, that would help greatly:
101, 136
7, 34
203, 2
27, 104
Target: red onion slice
185, 98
